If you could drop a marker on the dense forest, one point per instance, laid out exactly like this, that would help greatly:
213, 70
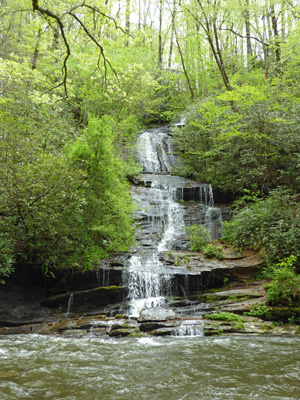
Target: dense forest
80, 79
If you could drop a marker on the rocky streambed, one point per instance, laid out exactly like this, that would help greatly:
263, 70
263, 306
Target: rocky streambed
95, 303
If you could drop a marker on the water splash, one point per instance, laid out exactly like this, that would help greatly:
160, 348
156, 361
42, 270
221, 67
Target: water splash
148, 286
190, 328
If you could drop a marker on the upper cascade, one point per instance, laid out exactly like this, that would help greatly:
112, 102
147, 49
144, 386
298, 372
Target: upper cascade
155, 151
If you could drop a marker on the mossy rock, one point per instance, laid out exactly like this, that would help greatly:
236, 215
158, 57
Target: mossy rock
121, 332
225, 295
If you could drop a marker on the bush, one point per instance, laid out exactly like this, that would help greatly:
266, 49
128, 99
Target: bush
271, 226
198, 236
7, 257
225, 316
258, 311
211, 251
284, 289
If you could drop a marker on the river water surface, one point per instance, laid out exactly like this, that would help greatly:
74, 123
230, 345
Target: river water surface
191, 368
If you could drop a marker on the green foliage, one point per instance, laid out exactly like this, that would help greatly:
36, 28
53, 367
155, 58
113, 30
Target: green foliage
243, 139
60, 209
258, 311
270, 225
210, 250
200, 240
225, 316
108, 201
182, 260
284, 289
7, 257
199, 236
40, 202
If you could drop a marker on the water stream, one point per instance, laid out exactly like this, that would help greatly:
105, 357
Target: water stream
163, 214
37, 367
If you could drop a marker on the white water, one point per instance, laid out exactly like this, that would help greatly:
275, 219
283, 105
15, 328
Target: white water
153, 150
50, 367
161, 204
70, 305
147, 283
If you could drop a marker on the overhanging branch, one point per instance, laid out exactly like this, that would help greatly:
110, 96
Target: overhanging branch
244, 37
105, 60
49, 13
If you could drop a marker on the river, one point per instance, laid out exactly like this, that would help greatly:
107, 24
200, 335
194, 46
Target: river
191, 368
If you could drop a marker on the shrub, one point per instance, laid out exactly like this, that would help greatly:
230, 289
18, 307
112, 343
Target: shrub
258, 310
270, 225
235, 148
198, 236
225, 316
284, 288
210, 250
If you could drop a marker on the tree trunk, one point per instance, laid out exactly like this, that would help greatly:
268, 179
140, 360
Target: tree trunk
172, 34
160, 35
127, 22
36, 50
183, 65
248, 34
276, 36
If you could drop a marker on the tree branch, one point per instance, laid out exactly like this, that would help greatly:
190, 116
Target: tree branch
105, 60
44, 11
101, 13
245, 37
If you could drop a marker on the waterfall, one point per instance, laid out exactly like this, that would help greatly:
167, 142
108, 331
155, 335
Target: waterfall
163, 207
147, 283
154, 151
70, 305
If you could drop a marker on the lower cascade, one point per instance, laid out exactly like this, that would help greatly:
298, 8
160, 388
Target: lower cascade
163, 211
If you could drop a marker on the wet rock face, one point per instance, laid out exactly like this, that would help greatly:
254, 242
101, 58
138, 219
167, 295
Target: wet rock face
20, 298
156, 314
109, 274
88, 299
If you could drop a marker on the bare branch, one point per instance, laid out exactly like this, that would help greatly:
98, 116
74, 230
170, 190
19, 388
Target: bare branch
44, 11
101, 13
244, 37
105, 60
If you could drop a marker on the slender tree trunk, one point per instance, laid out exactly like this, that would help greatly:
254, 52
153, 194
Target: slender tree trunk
172, 35
2, 13
264, 37
210, 28
160, 35
139, 23
248, 34
127, 22
36, 50
183, 65
283, 19
276, 36
219, 59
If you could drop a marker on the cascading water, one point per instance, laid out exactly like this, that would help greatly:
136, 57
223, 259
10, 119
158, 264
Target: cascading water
70, 304
162, 214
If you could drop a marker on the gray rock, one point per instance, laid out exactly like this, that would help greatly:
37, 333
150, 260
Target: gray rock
156, 314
